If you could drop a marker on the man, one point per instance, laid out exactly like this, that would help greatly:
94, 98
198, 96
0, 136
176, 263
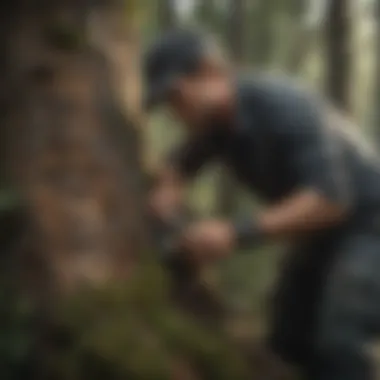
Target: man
320, 187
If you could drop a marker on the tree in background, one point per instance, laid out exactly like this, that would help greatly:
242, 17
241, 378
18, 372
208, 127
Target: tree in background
167, 14
338, 52
305, 18
270, 30
376, 105
235, 36
212, 15
261, 31
236, 30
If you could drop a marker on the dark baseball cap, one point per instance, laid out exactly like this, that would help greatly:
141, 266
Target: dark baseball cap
171, 56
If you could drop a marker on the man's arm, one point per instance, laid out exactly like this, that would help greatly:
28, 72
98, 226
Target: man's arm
323, 197
304, 211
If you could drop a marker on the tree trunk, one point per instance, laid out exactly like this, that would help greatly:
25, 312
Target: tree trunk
338, 53
66, 142
70, 99
74, 151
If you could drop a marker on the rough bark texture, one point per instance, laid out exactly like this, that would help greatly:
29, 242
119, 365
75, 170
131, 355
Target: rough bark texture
67, 146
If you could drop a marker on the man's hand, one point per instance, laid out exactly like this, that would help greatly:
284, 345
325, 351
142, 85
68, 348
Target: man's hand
165, 203
166, 198
209, 240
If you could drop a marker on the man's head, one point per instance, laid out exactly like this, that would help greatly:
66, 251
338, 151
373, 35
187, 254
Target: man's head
186, 70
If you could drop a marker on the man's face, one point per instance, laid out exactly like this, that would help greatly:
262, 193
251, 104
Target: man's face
198, 99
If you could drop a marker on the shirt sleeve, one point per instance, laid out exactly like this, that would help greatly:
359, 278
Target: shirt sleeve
189, 158
315, 151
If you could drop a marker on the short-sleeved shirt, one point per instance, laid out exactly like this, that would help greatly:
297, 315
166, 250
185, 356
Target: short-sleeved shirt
287, 139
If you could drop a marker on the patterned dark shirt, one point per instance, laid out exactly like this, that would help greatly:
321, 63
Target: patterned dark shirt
286, 139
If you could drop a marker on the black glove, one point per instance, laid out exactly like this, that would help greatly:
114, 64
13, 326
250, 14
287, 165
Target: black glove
181, 270
166, 233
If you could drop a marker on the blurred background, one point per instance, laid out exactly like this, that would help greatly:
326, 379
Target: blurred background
77, 153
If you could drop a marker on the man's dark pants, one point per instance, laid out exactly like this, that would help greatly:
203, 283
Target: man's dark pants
326, 310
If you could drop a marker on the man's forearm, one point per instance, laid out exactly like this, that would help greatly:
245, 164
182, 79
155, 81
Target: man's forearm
301, 213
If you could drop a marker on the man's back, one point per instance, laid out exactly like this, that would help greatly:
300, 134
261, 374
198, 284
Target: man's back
286, 117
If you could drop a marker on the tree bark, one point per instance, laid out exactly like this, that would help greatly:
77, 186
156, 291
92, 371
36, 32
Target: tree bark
338, 53
67, 138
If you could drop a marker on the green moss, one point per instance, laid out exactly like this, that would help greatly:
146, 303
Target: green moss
137, 333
